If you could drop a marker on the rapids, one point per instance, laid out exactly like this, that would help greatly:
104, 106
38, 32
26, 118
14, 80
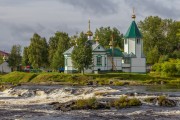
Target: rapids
32, 103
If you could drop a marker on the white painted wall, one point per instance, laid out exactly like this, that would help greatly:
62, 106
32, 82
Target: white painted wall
4, 67
104, 62
126, 49
100, 49
69, 66
132, 44
139, 49
128, 69
138, 65
117, 63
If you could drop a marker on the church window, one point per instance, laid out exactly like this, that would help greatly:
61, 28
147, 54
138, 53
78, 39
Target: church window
99, 60
98, 47
138, 41
105, 61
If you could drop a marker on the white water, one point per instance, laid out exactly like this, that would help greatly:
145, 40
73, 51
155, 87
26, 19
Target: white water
31, 102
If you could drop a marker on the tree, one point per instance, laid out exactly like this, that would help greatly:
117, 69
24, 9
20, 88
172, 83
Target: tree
153, 56
82, 54
25, 59
58, 44
105, 35
15, 56
159, 33
1, 59
38, 52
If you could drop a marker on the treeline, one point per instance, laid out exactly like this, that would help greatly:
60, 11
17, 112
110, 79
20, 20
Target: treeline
49, 54
161, 39
160, 36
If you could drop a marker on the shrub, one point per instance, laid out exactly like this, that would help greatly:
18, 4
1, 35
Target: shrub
90, 103
157, 67
124, 102
169, 69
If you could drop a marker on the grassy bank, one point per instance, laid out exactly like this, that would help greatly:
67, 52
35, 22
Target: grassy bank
79, 79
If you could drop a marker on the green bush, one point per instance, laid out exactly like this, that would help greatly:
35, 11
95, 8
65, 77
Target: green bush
124, 102
168, 68
90, 103
157, 67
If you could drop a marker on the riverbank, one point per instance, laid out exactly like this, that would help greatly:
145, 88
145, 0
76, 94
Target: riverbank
114, 79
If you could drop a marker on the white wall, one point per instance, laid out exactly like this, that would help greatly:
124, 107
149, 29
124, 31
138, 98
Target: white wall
104, 62
139, 49
138, 65
117, 63
132, 44
68, 66
5, 68
126, 48
126, 69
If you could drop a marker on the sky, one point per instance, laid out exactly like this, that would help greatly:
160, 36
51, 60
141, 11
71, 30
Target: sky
20, 19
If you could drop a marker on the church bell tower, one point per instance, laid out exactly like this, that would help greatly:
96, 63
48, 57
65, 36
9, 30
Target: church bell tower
133, 43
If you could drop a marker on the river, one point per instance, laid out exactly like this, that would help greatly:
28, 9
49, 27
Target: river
31, 102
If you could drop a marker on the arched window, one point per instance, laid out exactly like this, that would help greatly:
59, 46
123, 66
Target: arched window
138, 41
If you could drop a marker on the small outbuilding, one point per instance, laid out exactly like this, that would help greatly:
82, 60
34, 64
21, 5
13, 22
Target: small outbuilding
4, 68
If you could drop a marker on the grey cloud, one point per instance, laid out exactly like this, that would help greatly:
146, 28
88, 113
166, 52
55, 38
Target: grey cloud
19, 34
12, 34
96, 7
161, 8
13, 2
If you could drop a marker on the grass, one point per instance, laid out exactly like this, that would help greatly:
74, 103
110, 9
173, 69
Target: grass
93, 103
90, 103
116, 79
124, 102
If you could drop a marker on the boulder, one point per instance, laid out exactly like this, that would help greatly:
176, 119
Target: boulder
67, 106
167, 103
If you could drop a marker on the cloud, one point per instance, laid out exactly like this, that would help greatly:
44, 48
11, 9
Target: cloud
20, 19
13, 34
96, 7
162, 8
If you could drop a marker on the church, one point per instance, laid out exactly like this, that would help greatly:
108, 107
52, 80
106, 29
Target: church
113, 59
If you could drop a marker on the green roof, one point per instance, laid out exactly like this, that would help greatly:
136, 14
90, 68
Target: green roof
116, 52
133, 31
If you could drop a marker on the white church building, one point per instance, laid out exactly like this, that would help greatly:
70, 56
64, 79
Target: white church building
113, 59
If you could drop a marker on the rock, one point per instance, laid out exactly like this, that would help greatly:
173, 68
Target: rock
167, 103
163, 101
53, 103
90, 83
67, 106
151, 100
130, 94
111, 82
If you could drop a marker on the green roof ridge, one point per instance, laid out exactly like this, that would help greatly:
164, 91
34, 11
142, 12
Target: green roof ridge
116, 52
133, 31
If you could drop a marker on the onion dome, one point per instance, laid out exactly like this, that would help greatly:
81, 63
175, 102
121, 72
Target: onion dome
97, 39
89, 33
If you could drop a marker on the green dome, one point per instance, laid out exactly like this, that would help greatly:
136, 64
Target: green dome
133, 31
116, 52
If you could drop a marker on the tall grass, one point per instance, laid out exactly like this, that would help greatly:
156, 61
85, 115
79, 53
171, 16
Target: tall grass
118, 79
